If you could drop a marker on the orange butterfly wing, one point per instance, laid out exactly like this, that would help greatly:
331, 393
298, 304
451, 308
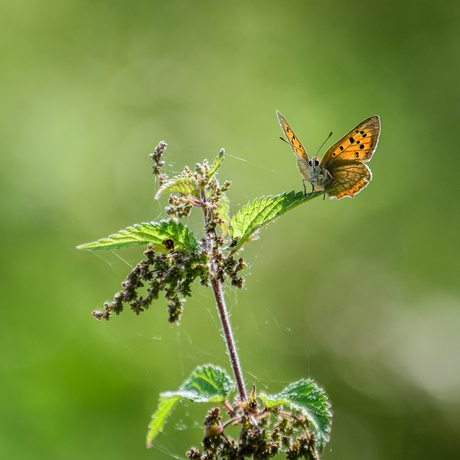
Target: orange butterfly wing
293, 140
358, 145
348, 179
345, 159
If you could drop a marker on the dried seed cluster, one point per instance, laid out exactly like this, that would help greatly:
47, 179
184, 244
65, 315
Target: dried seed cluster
172, 273
257, 440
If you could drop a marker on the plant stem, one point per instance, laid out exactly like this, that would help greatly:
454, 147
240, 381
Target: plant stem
220, 302
227, 328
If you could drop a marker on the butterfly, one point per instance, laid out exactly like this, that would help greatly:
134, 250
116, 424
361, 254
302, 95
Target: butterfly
342, 167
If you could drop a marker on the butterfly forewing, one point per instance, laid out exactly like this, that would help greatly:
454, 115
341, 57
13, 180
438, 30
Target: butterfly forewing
358, 145
293, 140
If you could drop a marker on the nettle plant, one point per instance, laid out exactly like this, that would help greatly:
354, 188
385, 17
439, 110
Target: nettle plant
296, 421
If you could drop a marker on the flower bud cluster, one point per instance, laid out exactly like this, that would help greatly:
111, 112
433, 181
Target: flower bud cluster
174, 272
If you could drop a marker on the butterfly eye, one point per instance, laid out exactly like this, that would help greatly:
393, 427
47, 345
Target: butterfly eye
314, 162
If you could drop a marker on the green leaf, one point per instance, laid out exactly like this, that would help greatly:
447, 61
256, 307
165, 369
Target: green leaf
206, 384
187, 185
210, 383
165, 407
183, 184
215, 166
155, 233
311, 401
263, 210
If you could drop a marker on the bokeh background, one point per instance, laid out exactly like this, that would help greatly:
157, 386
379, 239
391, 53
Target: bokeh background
362, 295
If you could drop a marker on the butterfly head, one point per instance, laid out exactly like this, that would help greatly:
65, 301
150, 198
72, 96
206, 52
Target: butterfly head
317, 176
314, 163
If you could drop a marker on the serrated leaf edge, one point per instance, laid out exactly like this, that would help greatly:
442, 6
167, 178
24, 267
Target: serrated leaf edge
293, 199
136, 237
173, 185
283, 399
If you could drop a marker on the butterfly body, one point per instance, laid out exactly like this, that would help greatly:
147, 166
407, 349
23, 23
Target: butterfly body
314, 173
342, 168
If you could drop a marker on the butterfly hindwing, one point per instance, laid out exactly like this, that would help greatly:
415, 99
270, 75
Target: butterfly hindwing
353, 176
357, 145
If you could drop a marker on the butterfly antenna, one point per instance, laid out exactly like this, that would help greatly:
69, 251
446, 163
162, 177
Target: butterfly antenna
322, 145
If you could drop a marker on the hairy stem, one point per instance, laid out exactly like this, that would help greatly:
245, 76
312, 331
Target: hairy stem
227, 328
221, 308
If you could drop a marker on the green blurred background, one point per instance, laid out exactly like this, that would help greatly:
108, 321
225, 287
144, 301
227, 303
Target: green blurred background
362, 295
